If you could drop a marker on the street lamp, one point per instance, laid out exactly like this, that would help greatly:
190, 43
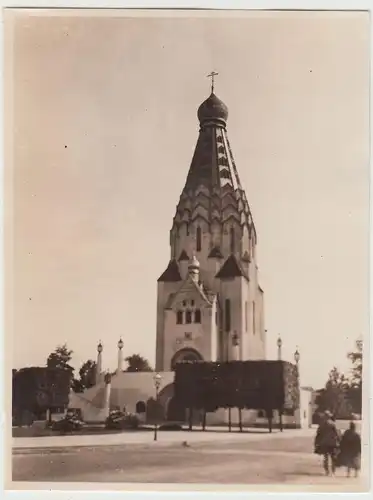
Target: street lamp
279, 346
157, 384
235, 343
296, 357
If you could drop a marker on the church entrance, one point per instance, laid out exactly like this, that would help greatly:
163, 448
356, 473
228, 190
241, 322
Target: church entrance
186, 354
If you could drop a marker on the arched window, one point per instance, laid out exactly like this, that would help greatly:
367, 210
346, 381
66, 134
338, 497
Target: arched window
197, 316
140, 407
179, 317
188, 317
246, 316
231, 239
254, 319
199, 239
227, 315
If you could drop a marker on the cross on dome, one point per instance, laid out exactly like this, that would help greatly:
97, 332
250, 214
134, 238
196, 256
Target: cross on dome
212, 76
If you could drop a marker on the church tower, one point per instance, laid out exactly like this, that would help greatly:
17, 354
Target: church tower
210, 304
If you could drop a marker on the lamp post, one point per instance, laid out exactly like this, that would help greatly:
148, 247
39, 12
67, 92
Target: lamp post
279, 346
100, 348
296, 359
235, 343
120, 356
157, 384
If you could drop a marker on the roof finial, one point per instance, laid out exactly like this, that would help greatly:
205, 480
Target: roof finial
212, 76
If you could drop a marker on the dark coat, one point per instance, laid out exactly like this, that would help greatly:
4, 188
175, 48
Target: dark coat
327, 437
350, 449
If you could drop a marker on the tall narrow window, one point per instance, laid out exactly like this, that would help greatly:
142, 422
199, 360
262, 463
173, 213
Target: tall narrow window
197, 316
179, 317
231, 239
188, 317
254, 318
246, 318
199, 239
227, 315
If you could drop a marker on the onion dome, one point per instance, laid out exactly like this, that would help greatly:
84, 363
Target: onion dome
213, 110
194, 264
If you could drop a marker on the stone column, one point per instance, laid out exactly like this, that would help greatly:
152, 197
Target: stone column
99, 363
107, 393
120, 356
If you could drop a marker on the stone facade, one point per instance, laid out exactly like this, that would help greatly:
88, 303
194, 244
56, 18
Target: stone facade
210, 304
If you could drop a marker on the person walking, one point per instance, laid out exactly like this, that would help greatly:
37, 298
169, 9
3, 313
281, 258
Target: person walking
350, 450
327, 442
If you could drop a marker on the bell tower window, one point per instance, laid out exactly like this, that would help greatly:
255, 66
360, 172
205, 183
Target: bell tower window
227, 315
197, 316
199, 239
179, 317
188, 317
231, 240
254, 319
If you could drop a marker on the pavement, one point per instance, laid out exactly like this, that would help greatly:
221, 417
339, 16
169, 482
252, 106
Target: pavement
140, 437
254, 459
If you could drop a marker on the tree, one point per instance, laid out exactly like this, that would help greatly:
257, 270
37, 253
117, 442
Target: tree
37, 389
335, 395
87, 376
61, 375
357, 363
60, 358
137, 363
355, 391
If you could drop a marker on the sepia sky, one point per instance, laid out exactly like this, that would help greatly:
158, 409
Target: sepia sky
105, 127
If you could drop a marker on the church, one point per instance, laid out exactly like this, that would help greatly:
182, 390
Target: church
210, 305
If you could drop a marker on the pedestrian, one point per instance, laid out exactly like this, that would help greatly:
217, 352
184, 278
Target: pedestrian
350, 450
327, 442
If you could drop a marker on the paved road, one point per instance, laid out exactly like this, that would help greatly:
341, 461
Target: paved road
277, 459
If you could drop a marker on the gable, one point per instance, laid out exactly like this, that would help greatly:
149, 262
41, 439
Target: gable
171, 274
187, 291
231, 269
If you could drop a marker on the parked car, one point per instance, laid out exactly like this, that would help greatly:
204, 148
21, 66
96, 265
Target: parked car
120, 420
71, 422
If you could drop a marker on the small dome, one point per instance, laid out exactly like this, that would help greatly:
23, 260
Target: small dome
194, 263
212, 109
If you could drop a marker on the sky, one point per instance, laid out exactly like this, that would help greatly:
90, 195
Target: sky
105, 125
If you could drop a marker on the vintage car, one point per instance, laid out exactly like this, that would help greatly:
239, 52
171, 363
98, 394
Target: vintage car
120, 420
70, 423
